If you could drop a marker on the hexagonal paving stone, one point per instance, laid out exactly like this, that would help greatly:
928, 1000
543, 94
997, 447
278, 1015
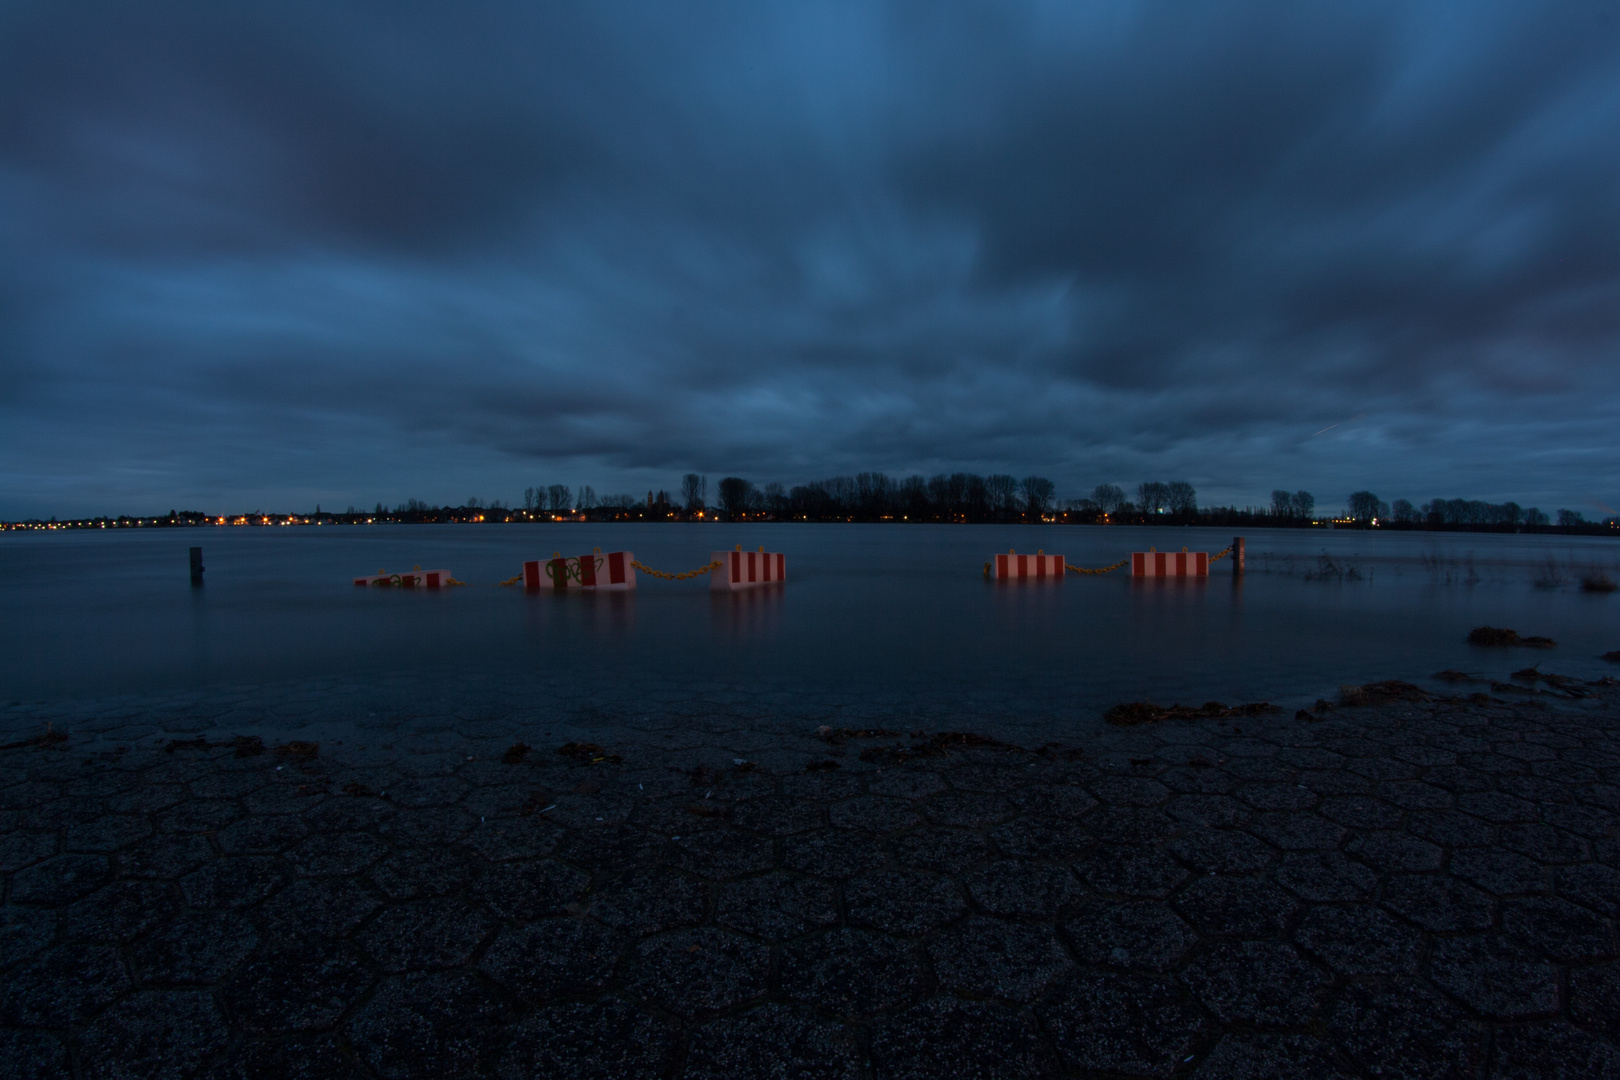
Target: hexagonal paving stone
19, 848
1129, 791
1406, 1030
300, 989
426, 934
987, 776
994, 958
119, 912
1495, 976
530, 890
1139, 936
596, 1039
59, 880
1437, 903
197, 948
1594, 886
1014, 887
1062, 801
1262, 982
1222, 851
336, 854
33, 1055
1131, 871
946, 1039
777, 905
62, 986
320, 908
903, 901
699, 971
722, 854
853, 973
1032, 837
106, 834
417, 873
1325, 877
1396, 852
426, 1025
1360, 941
553, 958
650, 900
164, 857
873, 814
266, 834
906, 783
968, 809
1277, 796
1450, 829
1130, 825
415, 794
944, 851
1236, 907
236, 882
1296, 832
304, 1058
154, 1033
1213, 811
777, 815
1116, 1024
526, 837
23, 932
774, 1040
436, 825
1500, 872
1544, 844
1558, 930
1532, 1052
200, 815
1246, 1057
833, 854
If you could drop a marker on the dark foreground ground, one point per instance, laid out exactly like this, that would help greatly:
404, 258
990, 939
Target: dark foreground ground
1416, 890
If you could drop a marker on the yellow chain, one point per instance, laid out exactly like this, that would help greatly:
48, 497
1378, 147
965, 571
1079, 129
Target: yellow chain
717, 564
1126, 562
1098, 570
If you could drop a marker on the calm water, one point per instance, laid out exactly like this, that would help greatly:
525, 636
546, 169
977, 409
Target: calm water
875, 621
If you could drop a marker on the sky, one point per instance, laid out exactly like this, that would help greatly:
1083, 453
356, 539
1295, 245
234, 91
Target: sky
264, 256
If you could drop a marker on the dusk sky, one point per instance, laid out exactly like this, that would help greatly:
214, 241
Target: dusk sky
263, 256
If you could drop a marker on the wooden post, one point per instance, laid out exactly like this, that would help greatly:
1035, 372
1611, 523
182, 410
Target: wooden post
1237, 556
196, 566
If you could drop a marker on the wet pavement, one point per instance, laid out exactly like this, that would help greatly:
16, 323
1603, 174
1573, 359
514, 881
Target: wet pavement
1424, 889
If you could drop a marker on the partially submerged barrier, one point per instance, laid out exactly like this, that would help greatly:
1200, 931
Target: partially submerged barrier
739, 569
1181, 563
1021, 567
416, 577
614, 571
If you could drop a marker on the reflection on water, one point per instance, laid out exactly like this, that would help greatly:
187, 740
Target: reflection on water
888, 618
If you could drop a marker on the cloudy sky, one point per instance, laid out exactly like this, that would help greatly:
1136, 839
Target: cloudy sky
269, 255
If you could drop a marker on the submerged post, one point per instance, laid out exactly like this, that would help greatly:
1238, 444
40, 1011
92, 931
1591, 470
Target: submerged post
1237, 556
196, 566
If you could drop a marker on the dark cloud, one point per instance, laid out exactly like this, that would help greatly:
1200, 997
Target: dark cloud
273, 255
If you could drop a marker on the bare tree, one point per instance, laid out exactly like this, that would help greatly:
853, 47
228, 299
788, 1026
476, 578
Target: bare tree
587, 498
1282, 504
558, 494
1151, 497
1363, 506
1304, 504
1003, 494
694, 491
1108, 497
735, 496
1038, 491
1181, 498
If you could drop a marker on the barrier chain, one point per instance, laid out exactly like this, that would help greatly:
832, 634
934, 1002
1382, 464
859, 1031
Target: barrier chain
1127, 562
717, 564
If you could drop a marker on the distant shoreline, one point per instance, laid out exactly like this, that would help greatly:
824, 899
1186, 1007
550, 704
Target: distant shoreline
1218, 518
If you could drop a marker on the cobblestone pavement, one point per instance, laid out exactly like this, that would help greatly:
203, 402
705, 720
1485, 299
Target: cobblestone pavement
1423, 890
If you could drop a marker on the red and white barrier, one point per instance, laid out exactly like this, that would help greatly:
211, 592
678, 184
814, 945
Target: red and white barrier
1027, 567
409, 579
595, 571
1169, 564
747, 569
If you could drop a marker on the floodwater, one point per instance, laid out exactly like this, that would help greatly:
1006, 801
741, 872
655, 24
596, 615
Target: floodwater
876, 622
